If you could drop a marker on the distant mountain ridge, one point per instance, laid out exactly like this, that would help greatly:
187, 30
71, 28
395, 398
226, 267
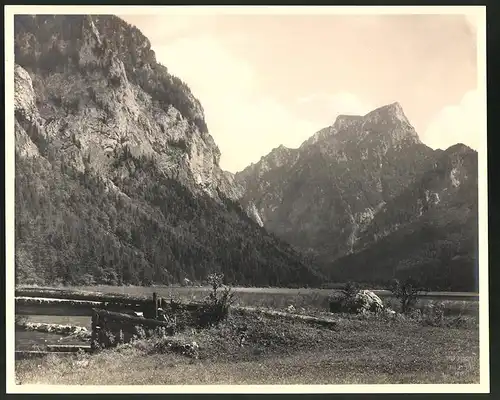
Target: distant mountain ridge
118, 181
365, 179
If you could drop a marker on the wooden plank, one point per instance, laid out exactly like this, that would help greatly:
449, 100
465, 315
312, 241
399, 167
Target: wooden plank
52, 310
155, 305
47, 306
81, 295
110, 316
67, 307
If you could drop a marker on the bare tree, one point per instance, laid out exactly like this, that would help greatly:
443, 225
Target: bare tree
407, 293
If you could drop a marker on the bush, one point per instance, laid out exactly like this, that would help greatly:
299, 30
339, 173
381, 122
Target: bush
220, 299
340, 302
392, 304
407, 293
350, 290
433, 314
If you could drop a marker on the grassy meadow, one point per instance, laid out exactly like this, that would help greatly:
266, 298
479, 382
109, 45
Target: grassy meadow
361, 349
420, 347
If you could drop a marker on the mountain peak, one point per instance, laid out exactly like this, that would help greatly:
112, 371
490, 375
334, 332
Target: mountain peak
459, 148
391, 112
278, 155
344, 121
394, 107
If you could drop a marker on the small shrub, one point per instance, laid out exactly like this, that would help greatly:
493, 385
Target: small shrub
140, 332
407, 293
220, 299
345, 299
350, 290
391, 303
415, 314
110, 338
96, 345
160, 331
335, 303
433, 314
462, 322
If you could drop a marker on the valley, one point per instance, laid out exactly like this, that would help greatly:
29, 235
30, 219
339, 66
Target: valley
350, 259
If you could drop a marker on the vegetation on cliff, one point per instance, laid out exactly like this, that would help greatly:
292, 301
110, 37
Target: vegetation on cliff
72, 228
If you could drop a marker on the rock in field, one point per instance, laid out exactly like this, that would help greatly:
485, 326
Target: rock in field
362, 301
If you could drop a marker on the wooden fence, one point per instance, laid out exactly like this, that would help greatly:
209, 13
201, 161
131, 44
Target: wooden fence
111, 328
113, 319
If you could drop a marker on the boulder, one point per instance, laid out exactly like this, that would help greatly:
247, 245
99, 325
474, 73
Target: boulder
362, 301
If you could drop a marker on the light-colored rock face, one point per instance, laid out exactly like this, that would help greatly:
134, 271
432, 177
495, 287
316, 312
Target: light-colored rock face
24, 144
24, 95
453, 177
254, 214
458, 174
93, 115
27, 122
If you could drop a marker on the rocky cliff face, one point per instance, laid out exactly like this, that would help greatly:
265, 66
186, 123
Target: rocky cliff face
323, 194
356, 182
117, 178
93, 84
429, 231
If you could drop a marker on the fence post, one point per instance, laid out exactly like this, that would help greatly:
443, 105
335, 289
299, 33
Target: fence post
93, 340
155, 304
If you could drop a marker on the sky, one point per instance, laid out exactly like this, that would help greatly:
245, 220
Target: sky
266, 80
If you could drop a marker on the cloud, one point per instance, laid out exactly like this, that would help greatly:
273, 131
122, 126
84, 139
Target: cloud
460, 123
245, 122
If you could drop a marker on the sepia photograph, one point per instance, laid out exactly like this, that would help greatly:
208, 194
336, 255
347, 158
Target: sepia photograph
239, 199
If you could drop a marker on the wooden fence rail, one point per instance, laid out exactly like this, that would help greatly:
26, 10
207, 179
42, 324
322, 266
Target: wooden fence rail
110, 328
81, 295
65, 306
47, 306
